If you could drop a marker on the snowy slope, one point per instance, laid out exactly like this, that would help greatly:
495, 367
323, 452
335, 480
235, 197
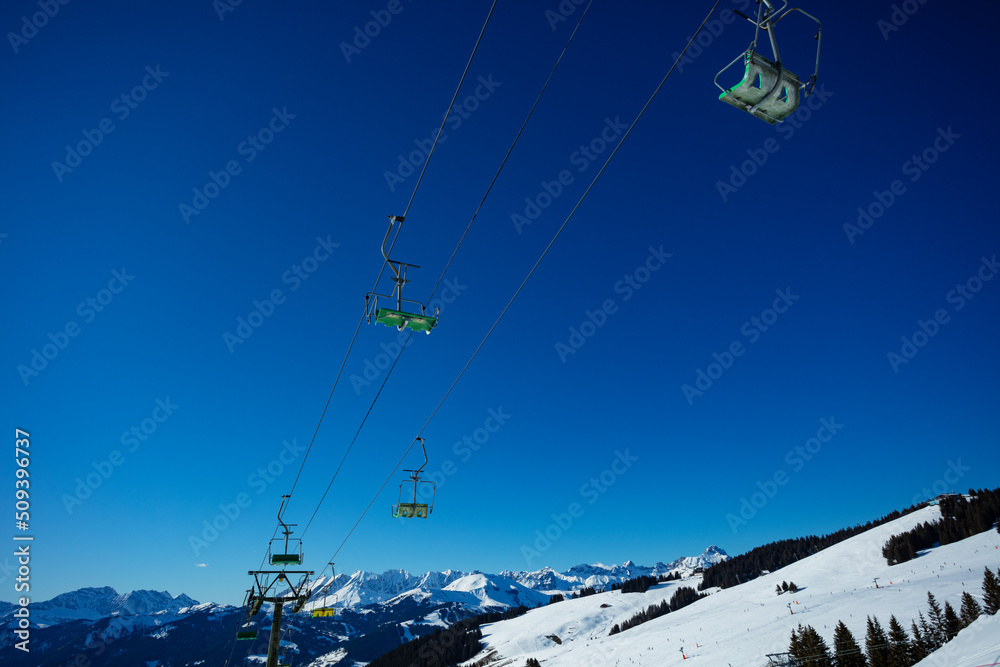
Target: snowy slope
976, 646
740, 625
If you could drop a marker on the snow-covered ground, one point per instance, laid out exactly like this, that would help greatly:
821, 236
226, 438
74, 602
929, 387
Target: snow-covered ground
739, 626
976, 646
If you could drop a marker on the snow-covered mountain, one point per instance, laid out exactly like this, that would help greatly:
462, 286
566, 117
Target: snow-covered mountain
94, 603
506, 589
602, 576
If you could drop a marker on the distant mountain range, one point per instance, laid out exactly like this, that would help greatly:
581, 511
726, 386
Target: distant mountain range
373, 613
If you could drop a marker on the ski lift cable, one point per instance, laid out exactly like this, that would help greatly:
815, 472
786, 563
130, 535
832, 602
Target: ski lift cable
455, 251
450, 106
395, 237
358, 432
533, 268
511, 149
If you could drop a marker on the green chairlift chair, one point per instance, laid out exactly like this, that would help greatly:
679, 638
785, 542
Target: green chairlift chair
397, 316
768, 90
291, 552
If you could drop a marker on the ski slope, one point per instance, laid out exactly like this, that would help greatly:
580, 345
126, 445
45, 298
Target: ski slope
739, 626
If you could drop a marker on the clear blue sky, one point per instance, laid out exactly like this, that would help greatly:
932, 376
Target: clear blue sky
335, 128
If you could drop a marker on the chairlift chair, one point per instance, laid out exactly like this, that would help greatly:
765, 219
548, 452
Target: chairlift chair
415, 509
398, 317
291, 553
768, 90
246, 634
249, 629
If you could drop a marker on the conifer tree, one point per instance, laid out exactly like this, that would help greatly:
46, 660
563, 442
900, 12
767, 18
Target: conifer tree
970, 609
936, 620
899, 645
809, 648
930, 642
918, 648
845, 650
951, 621
991, 592
876, 643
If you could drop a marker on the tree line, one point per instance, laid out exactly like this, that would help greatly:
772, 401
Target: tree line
681, 598
961, 518
776, 555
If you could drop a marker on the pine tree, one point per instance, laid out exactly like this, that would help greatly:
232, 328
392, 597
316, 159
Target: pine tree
899, 645
532, 662
777, 589
876, 643
938, 624
951, 621
918, 649
930, 642
991, 592
970, 610
809, 648
845, 650
792, 588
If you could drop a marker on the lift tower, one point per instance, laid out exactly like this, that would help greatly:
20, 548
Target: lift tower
266, 590
266, 582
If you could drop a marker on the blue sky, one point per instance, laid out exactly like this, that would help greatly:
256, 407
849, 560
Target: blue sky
712, 253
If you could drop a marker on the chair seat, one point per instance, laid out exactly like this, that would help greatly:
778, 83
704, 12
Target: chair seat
411, 510
286, 559
401, 320
765, 91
